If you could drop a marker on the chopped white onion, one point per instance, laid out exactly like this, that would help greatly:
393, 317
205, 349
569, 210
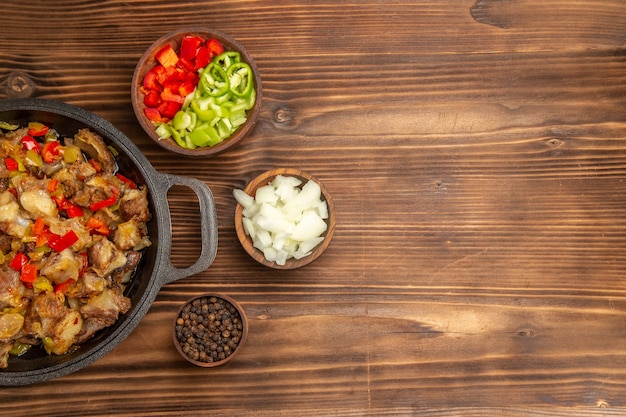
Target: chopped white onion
283, 219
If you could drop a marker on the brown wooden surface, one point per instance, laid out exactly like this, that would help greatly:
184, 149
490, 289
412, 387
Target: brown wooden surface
476, 153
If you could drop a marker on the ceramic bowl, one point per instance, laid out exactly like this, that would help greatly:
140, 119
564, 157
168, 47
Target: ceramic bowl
148, 62
246, 240
220, 342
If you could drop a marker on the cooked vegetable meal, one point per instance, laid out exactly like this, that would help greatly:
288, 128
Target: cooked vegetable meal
199, 95
284, 218
72, 231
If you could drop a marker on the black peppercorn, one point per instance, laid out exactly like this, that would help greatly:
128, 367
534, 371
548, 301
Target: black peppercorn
208, 329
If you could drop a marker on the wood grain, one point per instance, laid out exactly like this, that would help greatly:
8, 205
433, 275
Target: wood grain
476, 155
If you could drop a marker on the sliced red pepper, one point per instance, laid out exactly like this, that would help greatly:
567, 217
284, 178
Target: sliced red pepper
169, 108
150, 80
153, 114
186, 64
30, 143
168, 95
18, 261
85, 263
187, 88
37, 129
38, 226
215, 47
11, 164
52, 185
98, 226
45, 237
203, 58
72, 210
28, 273
152, 99
95, 164
130, 183
51, 151
64, 286
189, 46
167, 56
64, 241
107, 201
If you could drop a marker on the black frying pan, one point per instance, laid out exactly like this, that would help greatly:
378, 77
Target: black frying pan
155, 269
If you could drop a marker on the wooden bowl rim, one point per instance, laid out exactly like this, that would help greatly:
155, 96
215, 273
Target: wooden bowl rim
246, 241
148, 61
242, 341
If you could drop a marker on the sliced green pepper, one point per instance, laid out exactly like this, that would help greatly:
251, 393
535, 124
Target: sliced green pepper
226, 59
240, 79
214, 80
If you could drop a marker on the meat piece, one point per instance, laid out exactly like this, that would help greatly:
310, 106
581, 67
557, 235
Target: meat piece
134, 205
102, 311
127, 235
61, 266
11, 221
5, 242
90, 284
122, 275
93, 145
104, 257
10, 325
12, 293
52, 321
65, 332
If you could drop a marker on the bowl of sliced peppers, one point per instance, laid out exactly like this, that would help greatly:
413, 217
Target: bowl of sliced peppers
196, 92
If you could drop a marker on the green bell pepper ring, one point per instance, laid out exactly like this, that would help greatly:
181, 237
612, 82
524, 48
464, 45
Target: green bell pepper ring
214, 80
240, 78
226, 59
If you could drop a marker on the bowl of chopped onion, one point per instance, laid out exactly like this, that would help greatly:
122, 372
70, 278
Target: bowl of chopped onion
196, 92
285, 218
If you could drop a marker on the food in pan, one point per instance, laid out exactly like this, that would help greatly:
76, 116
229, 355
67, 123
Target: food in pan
72, 231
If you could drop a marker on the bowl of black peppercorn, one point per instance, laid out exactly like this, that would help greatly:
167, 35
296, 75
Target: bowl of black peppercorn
210, 329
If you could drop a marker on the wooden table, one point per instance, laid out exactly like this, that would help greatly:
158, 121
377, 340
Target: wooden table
476, 153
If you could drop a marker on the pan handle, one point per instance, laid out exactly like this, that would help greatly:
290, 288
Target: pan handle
208, 222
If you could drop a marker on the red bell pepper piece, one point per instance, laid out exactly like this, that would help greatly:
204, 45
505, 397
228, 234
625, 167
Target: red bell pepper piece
130, 183
37, 129
153, 114
187, 88
64, 286
11, 164
72, 210
152, 99
189, 46
18, 261
169, 95
28, 273
63, 242
98, 226
38, 227
30, 143
107, 201
186, 64
167, 56
203, 58
215, 47
95, 164
45, 237
51, 151
52, 185
169, 108
150, 80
